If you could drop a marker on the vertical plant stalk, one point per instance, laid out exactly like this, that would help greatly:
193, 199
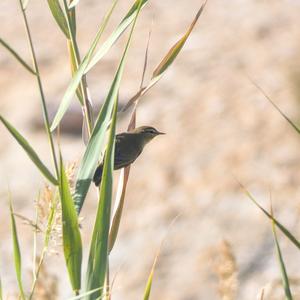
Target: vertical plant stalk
72, 43
124, 176
44, 106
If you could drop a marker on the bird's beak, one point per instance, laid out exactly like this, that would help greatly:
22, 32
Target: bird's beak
160, 133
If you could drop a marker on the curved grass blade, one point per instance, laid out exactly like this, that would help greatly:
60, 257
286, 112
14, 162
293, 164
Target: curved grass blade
150, 278
275, 106
98, 256
173, 52
284, 276
166, 61
96, 142
127, 20
120, 199
59, 16
17, 56
29, 150
72, 244
277, 223
66, 100
17, 252
123, 180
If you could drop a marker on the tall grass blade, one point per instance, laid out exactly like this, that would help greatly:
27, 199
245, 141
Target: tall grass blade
29, 150
127, 20
124, 176
174, 51
275, 106
148, 287
98, 256
66, 100
17, 252
96, 142
72, 244
150, 279
284, 276
166, 61
277, 223
17, 56
59, 16
119, 204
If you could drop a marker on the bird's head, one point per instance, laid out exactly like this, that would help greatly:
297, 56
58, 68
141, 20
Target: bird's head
147, 133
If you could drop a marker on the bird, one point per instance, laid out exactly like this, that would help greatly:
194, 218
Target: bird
128, 146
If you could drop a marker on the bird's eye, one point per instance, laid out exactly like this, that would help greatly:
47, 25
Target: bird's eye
151, 131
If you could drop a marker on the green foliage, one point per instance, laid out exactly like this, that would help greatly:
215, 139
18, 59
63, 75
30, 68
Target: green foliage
17, 252
98, 257
285, 279
17, 56
29, 150
59, 16
71, 235
104, 232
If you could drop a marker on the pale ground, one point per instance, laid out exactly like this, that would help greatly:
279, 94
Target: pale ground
218, 127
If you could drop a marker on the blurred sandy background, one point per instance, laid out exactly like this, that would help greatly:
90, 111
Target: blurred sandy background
217, 124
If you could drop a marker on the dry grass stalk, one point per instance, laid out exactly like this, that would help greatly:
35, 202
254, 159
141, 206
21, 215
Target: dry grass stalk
226, 269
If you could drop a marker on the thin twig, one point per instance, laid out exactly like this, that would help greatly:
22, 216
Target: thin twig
44, 106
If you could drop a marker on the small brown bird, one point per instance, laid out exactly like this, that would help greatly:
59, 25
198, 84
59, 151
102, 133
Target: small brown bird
129, 145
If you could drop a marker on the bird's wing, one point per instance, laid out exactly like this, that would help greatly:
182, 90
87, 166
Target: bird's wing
124, 157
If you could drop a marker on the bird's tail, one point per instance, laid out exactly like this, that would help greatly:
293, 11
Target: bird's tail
98, 175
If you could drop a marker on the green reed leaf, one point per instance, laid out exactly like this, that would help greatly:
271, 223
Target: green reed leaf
66, 100
17, 252
166, 61
284, 276
72, 244
29, 150
59, 16
17, 56
150, 280
286, 232
126, 21
275, 106
174, 51
148, 287
98, 256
